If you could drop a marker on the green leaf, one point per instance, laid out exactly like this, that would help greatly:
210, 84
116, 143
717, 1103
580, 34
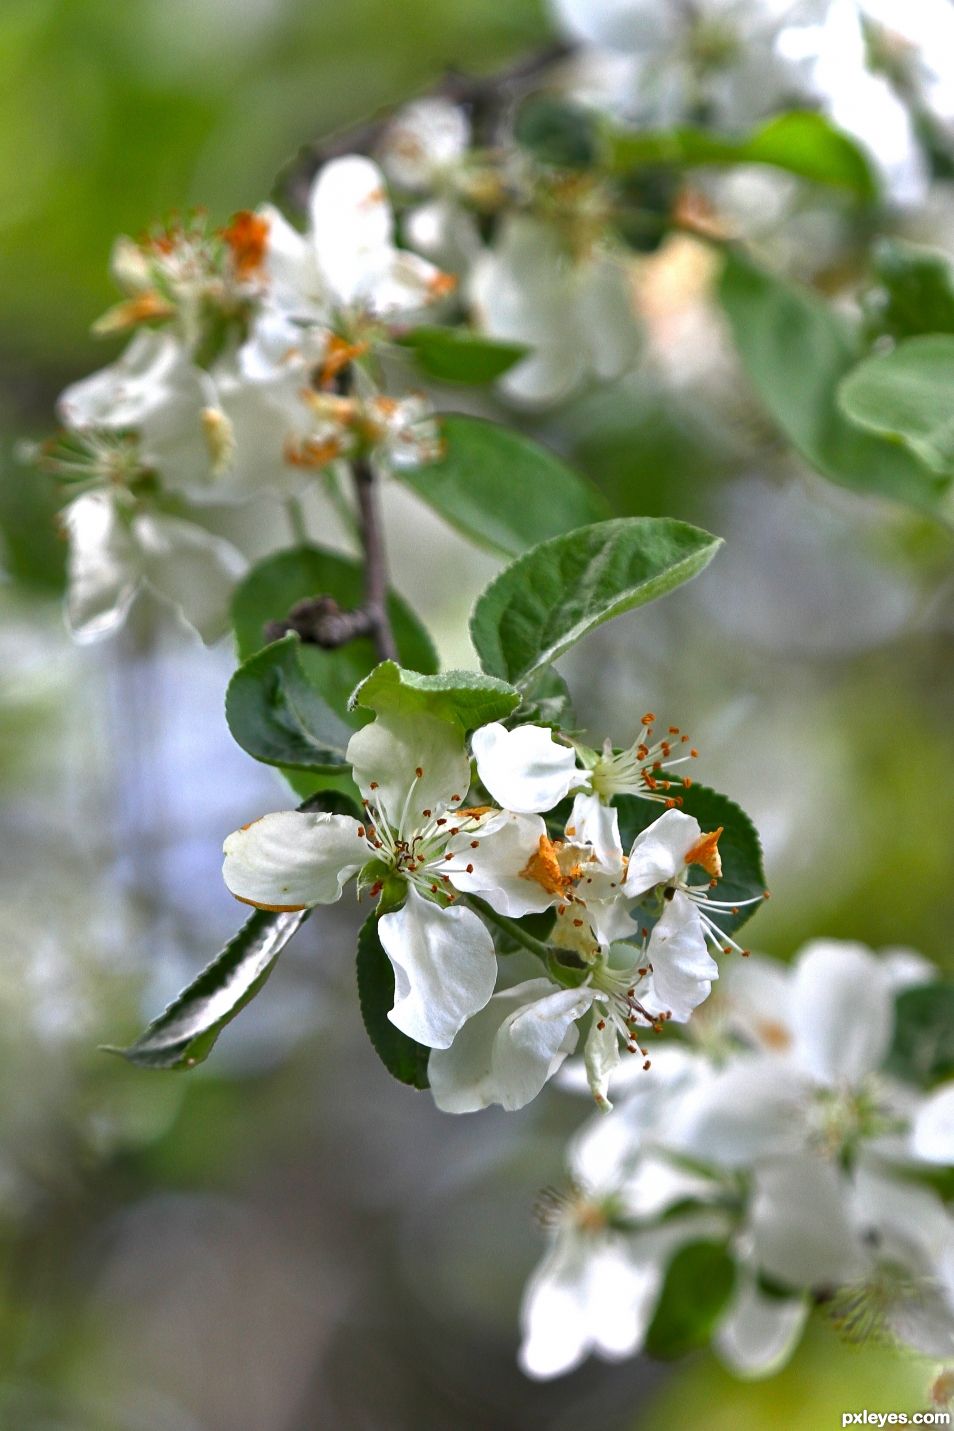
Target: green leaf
743, 876
546, 701
465, 697
801, 142
502, 490
915, 292
557, 131
922, 1050
405, 1059
699, 1282
183, 1035
907, 395
796, 351
277, 715
459, 355
540, 605
269, 592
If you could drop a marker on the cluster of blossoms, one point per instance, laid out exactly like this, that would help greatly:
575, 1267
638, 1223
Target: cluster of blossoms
251, 368
780, 1134
629, 947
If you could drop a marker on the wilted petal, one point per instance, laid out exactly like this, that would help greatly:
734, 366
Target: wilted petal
525, 770
387, 755
103, 566
658, 853
191, 568
507, 1052
759, 1333
445, 968
842, 1012
292, 860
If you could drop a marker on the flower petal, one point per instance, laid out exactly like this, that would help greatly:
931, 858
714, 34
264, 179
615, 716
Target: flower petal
292, 859
601, 1056
191, 568
104, 568
497, 863
507, 1052
747, 1110
658, 851
800, 1224
122, 394
525, 769
353, 226
842, 1012
593, 823
387, 755
683, 968
932, 1137
445, 968
758, 1333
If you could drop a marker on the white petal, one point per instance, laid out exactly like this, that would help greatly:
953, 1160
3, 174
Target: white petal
683, 968
503, 852
353, 226
401, 283
842, 1011
123, 393
292, 859
103, 566
593, 823
658, 853
601, 1056
800, 1224
932, 1137
445, 968
192, 568
291, 268
388, 753
759, 1333
525, 769
507, 1052
747, 1110
423, 139
756, 996
606, 316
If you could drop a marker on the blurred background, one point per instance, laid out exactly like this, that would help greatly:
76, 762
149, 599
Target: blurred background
286, 1239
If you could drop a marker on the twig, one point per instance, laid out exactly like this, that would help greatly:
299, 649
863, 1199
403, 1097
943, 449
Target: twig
375, 604
485, 96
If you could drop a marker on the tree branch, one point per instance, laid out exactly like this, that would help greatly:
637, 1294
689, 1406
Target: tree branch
375, 604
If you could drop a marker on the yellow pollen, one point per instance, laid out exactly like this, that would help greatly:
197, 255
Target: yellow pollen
543, 868
705, 852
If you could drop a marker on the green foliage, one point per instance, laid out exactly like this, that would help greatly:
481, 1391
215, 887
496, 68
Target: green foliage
404, 1058
800, 142
739, 847
276, 714
914, 293
184, 1033
501, 489
459, 355
922, 1050
546, 701
557, 132
699, 1282
465, 697
906, 395
796, 351
269, 592
543, 603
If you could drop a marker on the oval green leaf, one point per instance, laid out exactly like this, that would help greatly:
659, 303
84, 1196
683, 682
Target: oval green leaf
907, 395
502, 490
459, 355
276, 714
467, 698
540, 605
699, 1282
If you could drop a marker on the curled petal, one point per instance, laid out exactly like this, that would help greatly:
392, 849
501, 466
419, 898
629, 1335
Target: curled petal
658, 853
104, 567
292, 860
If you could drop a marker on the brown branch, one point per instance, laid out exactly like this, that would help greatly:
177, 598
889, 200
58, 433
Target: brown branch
486, 97
320, 621
375, 604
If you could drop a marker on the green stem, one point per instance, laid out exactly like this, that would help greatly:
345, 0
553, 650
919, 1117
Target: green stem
536, 946
296, 520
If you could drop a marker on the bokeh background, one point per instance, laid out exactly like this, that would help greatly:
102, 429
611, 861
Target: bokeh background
286, 1239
